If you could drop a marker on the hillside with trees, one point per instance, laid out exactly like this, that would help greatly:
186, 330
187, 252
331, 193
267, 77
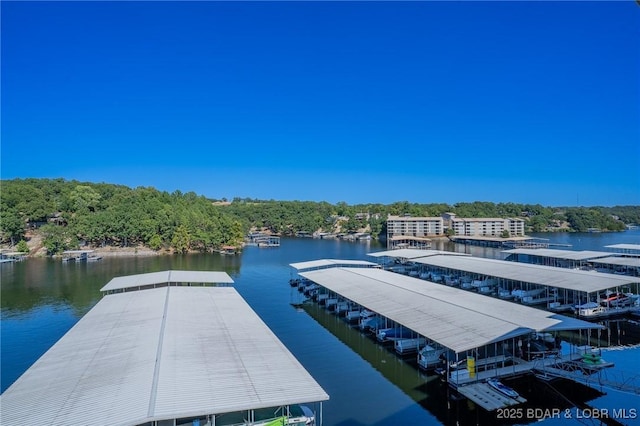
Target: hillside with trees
70, 214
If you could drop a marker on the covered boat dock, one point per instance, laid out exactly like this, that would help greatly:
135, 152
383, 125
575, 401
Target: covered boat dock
556, 288
627, 249
79, 255
587, 260
331, 263
467, 324
164, 356
166, 278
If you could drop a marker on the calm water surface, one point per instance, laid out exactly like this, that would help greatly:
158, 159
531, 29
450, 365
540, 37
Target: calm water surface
368, 385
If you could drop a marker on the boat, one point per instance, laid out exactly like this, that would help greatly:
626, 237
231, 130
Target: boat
391, 334
521, 294
451, 280
502, 388
365, 313
592, 358
352, 316
435, 277
541, 298
341, 307
409, 346
330, 303
370, 323
504, 293
465, 282
429, 357
545, 337
615, 299
308, 290
298, 415
320, 298
487, 282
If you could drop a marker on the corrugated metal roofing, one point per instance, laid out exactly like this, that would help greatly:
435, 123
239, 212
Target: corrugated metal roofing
560, 254
624, 246
163, 353
620, 261
412, 253
151, 278
457, 319
329, 263
571, 279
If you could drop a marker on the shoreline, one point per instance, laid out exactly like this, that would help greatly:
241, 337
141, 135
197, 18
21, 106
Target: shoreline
126, 252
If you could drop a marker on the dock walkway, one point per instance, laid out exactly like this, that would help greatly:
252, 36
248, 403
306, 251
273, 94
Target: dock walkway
488, 398
521, 367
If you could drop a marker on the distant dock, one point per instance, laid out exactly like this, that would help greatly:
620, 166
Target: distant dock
262, 240
508, 242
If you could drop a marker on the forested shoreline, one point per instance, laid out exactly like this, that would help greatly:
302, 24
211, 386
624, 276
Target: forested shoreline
68, 214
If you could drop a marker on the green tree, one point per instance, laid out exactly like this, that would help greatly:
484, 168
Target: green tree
84, 197
181, 239
155, 242
11, 226
57, 239
22, 247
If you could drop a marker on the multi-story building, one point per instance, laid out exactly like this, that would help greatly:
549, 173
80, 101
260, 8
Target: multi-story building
414, 232
487, 227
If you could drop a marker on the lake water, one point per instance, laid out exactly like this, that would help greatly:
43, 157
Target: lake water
368, 385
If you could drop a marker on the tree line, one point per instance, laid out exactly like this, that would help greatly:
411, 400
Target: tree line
69, 214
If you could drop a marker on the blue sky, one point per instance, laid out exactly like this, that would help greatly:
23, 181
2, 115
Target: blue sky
328, 101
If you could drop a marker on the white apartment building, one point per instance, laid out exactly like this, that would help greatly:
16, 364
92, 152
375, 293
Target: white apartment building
487, 227
408, 231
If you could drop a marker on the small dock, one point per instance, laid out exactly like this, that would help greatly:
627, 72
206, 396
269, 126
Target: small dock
10, 257
263, 240
79, 256
488, 398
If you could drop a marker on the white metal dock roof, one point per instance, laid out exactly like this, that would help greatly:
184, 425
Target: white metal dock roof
619, 260
458, 319
561, 254
329, 263
624, 246
571, 279
412, 253
164, 277
162, 353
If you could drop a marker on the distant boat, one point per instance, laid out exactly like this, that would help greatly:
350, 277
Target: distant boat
616, 299
502, 388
